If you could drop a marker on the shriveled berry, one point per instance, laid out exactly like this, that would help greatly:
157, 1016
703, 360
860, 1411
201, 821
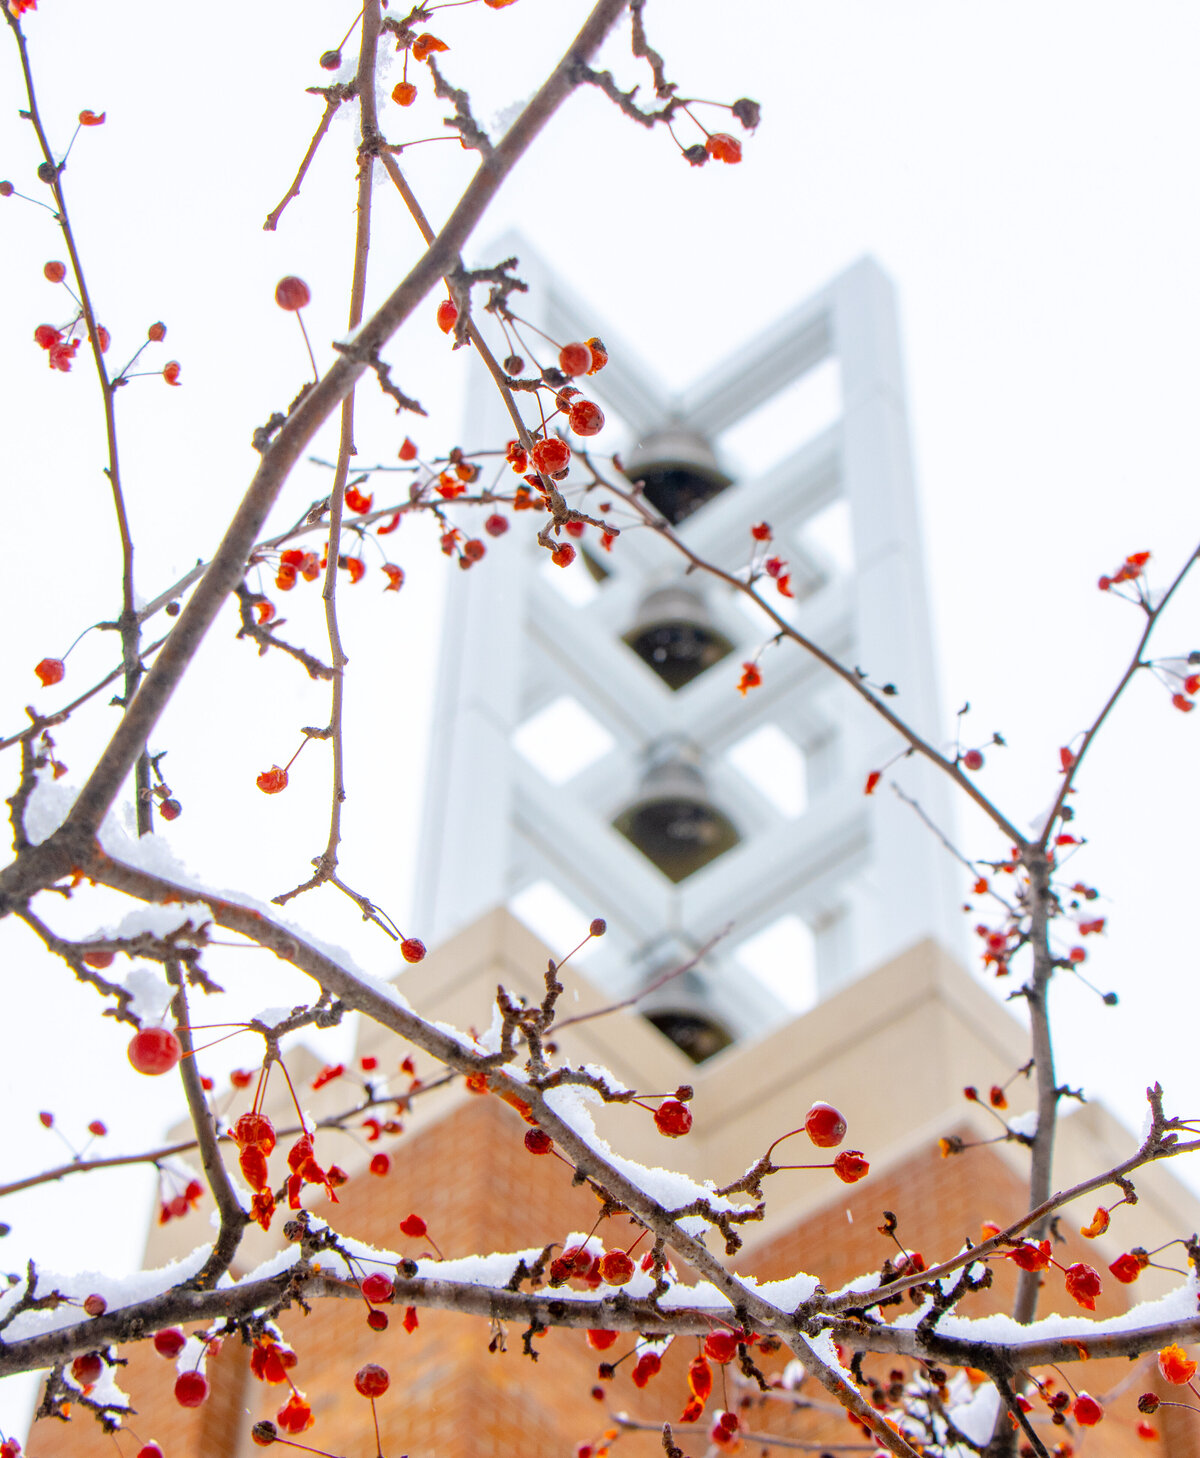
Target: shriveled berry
696, 156
157, 332
271, 781
292, 293
154, 1051
55, 271
377, 1320
724, 147
537, 1141
599, 354
447, 315
264, 1433
598, 927
514, 364
496, 525
6, 189
850, 1166
825, 1126
50, 670
616, 1268
672, 1118
563, 556
95, 1305
371, 1380
169, 1342
586, 418
87, 1368
473, 549
191, 1388
330, 60
412, 949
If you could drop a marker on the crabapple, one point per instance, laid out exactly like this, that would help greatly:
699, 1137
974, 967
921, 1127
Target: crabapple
154, 1051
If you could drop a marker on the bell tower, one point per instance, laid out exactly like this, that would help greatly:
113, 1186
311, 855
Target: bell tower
592, 755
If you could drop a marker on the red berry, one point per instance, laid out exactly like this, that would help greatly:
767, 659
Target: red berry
6, 189
724, 147
149, 1450
575, 359
474, 549
170, 372
412, 949
55, 272
825, 1126
599, 354
95, 1305
99, 960
371, 1380
551, 455
154, 1050
191, 1389
563, 556
380, 1164
616, 1268
169, 1342
721, 1346
1086, 1410
850, 1166
447, 315
157, 332
537, 1141
404, 93
600, 1340
973, 759
672, 1118
292, 293
414, 1227
377, 1320
271, 781
496, 525
598, 926
241, 1078
50, 670
377, 1288
87, 1368
586, 418
98, 1129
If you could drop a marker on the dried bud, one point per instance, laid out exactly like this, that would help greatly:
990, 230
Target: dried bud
748, 112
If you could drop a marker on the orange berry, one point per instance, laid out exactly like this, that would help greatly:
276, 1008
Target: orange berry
447, 315
55, 272
404, 93
292, 293
563, 556
724, 147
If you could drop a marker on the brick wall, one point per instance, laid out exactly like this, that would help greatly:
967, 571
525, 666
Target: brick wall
478, 1189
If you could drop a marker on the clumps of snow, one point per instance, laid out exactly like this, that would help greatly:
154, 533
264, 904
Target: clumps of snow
976, 1415
193, 1356
668, 1188
604, 1076
150, 993
1026, 1124
105, 1390
159, 920
703, 1296
825, 1349
117, 1291
47, 808
786, 1295
792, 1377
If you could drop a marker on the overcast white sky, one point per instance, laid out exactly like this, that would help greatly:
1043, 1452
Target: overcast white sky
1023, 171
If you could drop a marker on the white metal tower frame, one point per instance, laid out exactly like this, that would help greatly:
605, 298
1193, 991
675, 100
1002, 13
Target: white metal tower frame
863, 874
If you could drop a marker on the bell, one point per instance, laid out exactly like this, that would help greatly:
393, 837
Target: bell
674, 636
681, 1010
673, 822
678, 471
